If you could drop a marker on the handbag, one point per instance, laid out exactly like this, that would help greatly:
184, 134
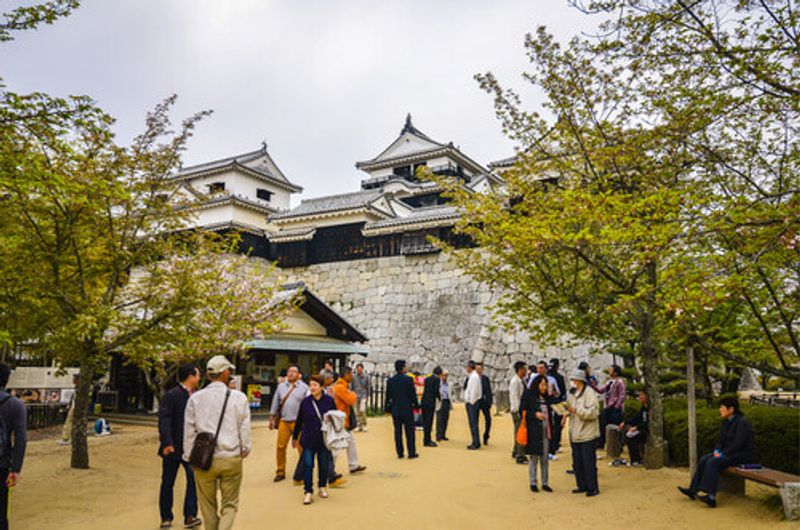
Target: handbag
205, 443
522, 432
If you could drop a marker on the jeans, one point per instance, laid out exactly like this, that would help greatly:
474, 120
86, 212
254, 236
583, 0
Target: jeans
706, 475
442, 419
323, 456
169, 472
486, 409
472, 417
539, 459
584, 463
610, 417
404, 422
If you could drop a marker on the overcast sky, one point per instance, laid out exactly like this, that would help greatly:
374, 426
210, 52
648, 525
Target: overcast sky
325, 83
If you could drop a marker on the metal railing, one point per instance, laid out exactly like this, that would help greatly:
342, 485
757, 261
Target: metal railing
776, 400
41, 415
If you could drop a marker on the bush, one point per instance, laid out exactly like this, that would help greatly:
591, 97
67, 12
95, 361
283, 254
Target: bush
777, 433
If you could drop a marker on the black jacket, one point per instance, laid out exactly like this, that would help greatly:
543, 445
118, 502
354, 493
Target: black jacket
560, 383
737, 440
640, 420
531, 404
431, 392
401, 396
16, 418
171, 412
486, 387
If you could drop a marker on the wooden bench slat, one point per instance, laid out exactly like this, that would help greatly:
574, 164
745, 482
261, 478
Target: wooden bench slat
770, 477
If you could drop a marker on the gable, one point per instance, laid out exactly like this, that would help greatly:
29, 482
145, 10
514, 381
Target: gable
406, 144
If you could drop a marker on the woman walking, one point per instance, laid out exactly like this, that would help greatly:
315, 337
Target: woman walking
584, 430
308, 428
536, 406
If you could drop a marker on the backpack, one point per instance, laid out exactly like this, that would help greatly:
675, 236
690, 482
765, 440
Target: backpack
5, 455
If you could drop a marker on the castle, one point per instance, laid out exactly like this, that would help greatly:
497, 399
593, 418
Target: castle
367, 253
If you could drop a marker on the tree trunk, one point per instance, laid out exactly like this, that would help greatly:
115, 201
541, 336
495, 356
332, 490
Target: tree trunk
656, 447
80, 448
690, 391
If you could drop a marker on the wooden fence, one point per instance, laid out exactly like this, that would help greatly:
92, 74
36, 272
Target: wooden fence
376, 401
41, 415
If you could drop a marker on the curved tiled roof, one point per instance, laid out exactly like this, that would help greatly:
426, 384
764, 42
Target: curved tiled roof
332, 203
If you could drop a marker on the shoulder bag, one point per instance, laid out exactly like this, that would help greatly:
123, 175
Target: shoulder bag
205, 443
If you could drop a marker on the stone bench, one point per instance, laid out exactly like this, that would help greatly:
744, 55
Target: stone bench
733, 481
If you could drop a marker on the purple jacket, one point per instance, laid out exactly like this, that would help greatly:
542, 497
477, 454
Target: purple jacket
308, 423
614, 392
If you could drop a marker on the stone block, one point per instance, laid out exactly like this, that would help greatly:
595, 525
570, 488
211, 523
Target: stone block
790, 495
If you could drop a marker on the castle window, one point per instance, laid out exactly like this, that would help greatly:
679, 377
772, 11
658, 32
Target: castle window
263, 194
216, 187
402, 171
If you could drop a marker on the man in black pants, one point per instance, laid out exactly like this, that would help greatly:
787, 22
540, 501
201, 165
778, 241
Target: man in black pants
443, 414
555, 442
430, 396
736, 446
401, 400
15, 418
171, 413
485, 404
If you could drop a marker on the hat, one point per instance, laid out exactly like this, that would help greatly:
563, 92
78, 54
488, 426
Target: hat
218, 364
577, 375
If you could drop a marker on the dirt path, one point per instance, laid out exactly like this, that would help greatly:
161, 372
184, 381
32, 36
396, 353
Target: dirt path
448, 487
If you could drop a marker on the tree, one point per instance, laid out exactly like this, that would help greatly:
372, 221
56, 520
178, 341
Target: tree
29, 17
100, 242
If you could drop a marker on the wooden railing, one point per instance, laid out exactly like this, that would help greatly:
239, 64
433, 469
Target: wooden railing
777, 400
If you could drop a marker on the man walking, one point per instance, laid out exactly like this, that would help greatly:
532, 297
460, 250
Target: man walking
401, 400
284, 409
216, 406
555, 443
171, 412
430, 400
345, 400
472, 396
15, 419
486, 403
362, 387
515, 389
443, 414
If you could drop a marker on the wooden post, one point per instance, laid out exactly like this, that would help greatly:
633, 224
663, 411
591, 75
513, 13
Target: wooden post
690, 391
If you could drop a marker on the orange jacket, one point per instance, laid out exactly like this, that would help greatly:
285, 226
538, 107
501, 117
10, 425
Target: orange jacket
344, 398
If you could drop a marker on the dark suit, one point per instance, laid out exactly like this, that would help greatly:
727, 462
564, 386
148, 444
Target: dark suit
485, 406
170, 430
429, 397
401, 400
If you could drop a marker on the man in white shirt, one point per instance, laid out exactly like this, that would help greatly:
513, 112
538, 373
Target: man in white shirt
203, 413
515, 389
472, 394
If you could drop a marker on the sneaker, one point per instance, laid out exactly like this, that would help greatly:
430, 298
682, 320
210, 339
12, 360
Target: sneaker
191, 522
358, 469
308, 499
618, 462
323, 494
166, 524
552, 457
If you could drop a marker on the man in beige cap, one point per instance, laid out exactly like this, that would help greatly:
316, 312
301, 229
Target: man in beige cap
203, 413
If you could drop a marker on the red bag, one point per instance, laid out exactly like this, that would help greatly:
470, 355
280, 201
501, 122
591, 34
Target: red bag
522, 432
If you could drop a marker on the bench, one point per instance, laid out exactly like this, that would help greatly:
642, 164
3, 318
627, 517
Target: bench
733, 481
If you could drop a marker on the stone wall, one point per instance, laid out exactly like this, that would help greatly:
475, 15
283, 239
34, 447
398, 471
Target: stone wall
425, 310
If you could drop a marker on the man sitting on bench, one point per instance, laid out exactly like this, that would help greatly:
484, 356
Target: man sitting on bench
736, 446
